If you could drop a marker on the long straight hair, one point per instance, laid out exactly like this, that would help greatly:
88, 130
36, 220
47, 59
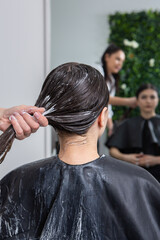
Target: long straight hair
73, 96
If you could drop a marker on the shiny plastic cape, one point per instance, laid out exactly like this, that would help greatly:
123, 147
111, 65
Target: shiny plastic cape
129, 138
105, 199
129, 134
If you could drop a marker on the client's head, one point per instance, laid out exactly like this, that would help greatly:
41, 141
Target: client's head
73, 95
147, 99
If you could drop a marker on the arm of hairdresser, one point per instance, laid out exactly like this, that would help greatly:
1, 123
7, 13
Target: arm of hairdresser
23, 123
119, 101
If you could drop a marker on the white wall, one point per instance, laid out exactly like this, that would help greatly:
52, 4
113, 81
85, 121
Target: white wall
21, 69
80, 29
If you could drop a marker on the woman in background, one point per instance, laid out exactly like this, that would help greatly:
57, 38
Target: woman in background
78, 194
112, 61
137, 140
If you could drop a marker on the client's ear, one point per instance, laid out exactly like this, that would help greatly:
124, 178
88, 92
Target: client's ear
102, 119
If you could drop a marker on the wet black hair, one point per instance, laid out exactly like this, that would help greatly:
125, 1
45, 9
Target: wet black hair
73, 96
112, 48
144, 87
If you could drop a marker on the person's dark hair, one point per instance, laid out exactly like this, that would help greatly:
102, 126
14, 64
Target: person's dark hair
112, 48
73, 96
144, 87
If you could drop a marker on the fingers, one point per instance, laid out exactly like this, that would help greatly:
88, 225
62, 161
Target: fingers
30, 121
141, 155
144, 164
133, 102
32, 110
137, 161
42, 120
21, 128
37, 113
138, 157
38, 117
34, 122
146, 161
24, 124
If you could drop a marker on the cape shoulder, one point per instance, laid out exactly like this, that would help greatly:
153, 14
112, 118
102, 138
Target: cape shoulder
30, 169
123, 170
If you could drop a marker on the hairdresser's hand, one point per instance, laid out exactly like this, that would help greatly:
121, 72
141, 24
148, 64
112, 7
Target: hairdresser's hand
23, 123
132, 102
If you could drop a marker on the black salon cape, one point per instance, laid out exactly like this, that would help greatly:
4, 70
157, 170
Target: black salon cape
128, 138
105, 199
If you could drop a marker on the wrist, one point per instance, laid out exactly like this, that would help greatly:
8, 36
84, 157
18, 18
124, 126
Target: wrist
128, 102
2, 111
2, 118
124, 157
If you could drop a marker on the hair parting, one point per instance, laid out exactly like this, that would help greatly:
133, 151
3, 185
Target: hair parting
145, 86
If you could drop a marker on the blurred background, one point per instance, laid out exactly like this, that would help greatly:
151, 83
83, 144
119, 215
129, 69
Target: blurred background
37, 36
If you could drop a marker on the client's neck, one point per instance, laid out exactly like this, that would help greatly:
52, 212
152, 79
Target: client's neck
147, 115
76, 150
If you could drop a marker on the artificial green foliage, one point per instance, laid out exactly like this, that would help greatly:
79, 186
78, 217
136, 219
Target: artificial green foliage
138, 34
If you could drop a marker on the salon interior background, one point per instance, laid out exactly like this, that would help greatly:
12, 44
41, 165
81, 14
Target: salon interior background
39, 35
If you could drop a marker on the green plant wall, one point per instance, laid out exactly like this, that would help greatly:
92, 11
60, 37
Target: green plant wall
138, 34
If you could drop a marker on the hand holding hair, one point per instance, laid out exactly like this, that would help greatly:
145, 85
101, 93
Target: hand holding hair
58, 97
21, 119
24, 119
